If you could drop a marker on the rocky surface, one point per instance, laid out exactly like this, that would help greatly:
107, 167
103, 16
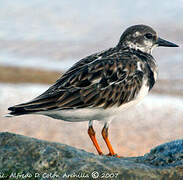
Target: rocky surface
23, 157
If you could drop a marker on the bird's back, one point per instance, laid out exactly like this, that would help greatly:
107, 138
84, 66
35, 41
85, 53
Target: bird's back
103, 80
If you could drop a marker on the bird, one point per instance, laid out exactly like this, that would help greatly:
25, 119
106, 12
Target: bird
102, 85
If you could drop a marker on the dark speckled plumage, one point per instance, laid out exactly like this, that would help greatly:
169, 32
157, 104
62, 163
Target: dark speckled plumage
110, 78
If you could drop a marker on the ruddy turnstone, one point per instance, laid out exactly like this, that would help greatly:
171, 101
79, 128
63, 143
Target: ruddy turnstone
102, 84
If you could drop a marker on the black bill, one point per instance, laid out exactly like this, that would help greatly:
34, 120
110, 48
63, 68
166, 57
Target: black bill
162, 42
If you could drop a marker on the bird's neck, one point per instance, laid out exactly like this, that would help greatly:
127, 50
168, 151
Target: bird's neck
134, 51
135, 47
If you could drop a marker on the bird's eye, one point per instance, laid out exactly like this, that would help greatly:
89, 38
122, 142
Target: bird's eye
148, 36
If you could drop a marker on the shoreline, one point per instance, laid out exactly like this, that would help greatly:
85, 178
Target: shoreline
27, 75
18, 75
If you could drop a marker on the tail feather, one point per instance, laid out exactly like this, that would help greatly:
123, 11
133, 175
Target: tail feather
40, 103
16, 111
8, 115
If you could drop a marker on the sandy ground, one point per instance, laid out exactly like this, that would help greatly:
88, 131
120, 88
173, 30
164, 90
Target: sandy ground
156, 120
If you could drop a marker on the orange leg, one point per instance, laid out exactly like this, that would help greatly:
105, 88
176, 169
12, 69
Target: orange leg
106, 139
91, 133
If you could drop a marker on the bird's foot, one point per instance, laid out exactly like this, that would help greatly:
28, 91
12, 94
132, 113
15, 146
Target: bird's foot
113, 155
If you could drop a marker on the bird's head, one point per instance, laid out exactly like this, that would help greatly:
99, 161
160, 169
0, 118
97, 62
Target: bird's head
143, 38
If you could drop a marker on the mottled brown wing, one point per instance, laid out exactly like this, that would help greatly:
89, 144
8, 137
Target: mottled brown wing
110, 82
102, 83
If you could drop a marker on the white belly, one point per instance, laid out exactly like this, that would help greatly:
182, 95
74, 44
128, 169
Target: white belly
86, 114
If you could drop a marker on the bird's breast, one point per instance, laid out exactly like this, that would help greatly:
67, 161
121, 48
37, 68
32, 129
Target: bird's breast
138, 98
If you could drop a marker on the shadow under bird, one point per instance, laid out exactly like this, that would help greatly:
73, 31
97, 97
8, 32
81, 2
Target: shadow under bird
103, 84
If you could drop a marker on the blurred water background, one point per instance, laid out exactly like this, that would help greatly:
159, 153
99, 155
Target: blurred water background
40, 39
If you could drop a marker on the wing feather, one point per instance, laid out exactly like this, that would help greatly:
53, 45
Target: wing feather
102, 83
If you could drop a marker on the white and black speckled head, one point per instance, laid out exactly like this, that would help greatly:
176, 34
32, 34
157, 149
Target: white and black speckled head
143, 38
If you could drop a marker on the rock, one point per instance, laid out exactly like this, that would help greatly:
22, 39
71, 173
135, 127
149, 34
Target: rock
23, 157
